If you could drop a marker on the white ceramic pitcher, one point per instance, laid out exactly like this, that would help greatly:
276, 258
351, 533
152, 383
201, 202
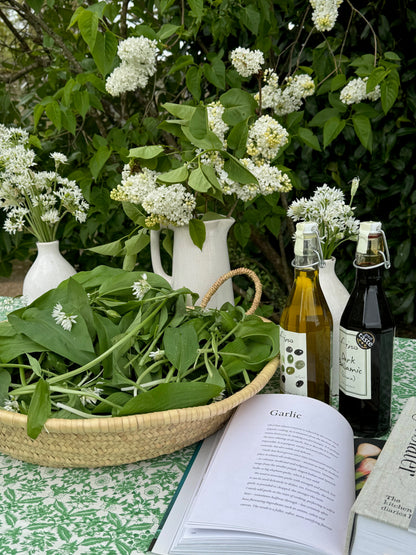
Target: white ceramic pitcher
194, 268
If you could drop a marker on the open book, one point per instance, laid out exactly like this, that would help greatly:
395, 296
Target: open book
279, 479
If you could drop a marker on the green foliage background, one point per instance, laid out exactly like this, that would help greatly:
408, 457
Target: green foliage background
54, 58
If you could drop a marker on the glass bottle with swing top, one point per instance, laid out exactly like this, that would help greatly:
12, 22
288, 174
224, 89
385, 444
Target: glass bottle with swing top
366, 339
306, 323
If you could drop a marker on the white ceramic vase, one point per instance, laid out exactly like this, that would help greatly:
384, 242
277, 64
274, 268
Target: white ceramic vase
195, 268
336, 295
47, 271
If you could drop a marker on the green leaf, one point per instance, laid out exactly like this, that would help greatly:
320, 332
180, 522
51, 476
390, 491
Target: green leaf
197, 9
5, 380
307, 136
375, 77
88, 26
181, 111
209, 173
81, 102
171, 396
53, 112
178, 175
237, 172
332, 128
197, 232
180, 63
198, 124
198, 181
215, 73
193, 82
14, 344
237, 139
389, 91
39, 409
240, 105
181, 346
137, 243
323, 116
34, 364
105, 51
36, 5
146, 152
362, 127
115, 248
251, 18
98, 160
167, 30
338, 82
209, 141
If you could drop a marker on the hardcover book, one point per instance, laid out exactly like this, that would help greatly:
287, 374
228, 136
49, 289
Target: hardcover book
383, 518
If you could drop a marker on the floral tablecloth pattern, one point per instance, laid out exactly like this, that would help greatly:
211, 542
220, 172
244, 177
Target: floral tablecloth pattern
111, 510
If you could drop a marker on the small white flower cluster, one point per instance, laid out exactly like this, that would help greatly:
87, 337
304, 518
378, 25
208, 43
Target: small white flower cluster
141, 287
25, 192
327, 208
216, 123
325, 13
138, 64
63, 319
247, 62
265, 138
355, 91
288, 98
270, 179
90, 397
165, 204
11, 405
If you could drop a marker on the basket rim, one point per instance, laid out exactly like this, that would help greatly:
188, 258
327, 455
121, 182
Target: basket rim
147, 420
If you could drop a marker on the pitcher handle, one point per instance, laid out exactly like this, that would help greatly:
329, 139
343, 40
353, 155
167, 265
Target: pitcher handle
155, 256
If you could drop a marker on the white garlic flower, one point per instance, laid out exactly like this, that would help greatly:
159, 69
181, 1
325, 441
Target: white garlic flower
63, 319
141, 287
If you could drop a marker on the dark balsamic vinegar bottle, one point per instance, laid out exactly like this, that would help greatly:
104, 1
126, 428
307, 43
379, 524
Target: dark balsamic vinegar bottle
366, 340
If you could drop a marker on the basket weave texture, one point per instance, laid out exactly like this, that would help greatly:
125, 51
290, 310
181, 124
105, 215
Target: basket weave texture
120, 440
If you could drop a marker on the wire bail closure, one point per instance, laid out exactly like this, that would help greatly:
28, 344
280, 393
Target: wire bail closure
386, 257
320, 262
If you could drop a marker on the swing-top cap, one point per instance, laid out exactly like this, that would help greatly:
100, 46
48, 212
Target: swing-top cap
367, 229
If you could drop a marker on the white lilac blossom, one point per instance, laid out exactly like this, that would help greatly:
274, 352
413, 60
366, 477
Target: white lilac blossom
138, 64
355, 91
169, 204
327, 208
141, 287
164, 204
287, 98
325, 13
216, 123
34, 200
63, 319
247, 62
269, 180
265, 138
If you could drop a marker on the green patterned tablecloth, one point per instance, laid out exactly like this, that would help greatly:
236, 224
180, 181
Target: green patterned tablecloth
111, 510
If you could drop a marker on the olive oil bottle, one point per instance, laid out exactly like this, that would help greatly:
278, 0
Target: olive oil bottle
306, 323
366, 339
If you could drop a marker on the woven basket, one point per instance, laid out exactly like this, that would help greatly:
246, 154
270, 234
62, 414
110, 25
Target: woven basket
120, 440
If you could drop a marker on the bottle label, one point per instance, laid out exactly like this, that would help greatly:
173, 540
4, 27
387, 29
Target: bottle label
355, 362
293, 363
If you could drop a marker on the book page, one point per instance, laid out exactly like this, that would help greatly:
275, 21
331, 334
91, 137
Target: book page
284, 467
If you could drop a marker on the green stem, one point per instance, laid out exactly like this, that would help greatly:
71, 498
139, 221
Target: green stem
68, 375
